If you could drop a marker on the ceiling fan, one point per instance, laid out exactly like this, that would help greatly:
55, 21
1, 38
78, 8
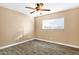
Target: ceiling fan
38, 8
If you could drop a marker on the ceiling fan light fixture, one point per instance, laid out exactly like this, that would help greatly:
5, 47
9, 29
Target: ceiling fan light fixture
38, 8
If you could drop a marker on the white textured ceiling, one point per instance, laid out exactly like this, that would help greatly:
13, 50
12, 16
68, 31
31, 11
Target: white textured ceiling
55, 7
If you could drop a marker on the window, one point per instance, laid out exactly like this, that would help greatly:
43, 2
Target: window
57, 23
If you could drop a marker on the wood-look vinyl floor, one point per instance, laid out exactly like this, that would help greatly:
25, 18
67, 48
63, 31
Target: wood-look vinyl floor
37, 47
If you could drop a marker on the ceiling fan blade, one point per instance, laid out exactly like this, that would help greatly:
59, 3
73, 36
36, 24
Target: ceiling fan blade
32, 12
45, 10
30, 8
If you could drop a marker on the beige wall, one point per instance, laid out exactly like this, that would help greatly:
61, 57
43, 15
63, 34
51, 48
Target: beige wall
70, 34
15, 25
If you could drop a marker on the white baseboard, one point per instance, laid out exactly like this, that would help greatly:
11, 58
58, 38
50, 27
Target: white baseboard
6, 46
74, 46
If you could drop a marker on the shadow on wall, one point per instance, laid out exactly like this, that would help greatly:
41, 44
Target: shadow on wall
14, 25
